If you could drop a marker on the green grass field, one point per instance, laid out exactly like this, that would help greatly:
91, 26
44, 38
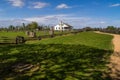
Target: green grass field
92, 39
13, 34
10, 36
72, 57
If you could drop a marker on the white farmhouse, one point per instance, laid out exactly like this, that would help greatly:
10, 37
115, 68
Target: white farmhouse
62, 27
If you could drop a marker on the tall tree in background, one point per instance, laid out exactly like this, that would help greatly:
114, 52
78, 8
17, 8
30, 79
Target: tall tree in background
11, 27
111, 28
24, 27
32, 25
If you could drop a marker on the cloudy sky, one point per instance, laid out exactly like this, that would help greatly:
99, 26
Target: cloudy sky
78, 13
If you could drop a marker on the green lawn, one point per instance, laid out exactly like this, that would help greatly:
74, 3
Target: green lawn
13, 34
92, 39
10, 36
73, 57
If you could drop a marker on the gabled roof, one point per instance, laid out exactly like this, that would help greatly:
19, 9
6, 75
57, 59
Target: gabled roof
62, 23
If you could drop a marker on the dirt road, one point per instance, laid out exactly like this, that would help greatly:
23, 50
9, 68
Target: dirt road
114, 66
116, 41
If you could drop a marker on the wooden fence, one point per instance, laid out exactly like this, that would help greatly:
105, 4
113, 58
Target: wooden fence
20, 39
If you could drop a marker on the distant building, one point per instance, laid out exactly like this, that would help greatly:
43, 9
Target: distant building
62, 27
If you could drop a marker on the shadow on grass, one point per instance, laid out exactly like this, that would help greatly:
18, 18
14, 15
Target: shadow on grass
56, 62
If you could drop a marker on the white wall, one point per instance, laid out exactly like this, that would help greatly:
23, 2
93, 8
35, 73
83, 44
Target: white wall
58, 27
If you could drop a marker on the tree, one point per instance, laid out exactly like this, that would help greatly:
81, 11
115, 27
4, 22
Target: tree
24, 27
32, 25
111, 28
11, 27
88, 29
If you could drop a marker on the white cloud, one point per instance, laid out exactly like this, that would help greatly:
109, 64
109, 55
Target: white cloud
75, 21
47, 17
17, 3
15, 22
46, 20
39, 5
102, 22
115, 5
55, 19
62, 6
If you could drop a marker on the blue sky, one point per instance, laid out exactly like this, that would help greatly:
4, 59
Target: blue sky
79, 13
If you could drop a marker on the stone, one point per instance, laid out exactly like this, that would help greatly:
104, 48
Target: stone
32, 34
27, 33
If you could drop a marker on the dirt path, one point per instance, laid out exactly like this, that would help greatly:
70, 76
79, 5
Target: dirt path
114, 66
116, 41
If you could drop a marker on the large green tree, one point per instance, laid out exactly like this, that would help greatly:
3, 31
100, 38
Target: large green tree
11, 27
111, 28
32, 25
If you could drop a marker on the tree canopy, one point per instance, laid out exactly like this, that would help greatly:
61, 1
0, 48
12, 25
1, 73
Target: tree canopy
111, 28
32, 25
